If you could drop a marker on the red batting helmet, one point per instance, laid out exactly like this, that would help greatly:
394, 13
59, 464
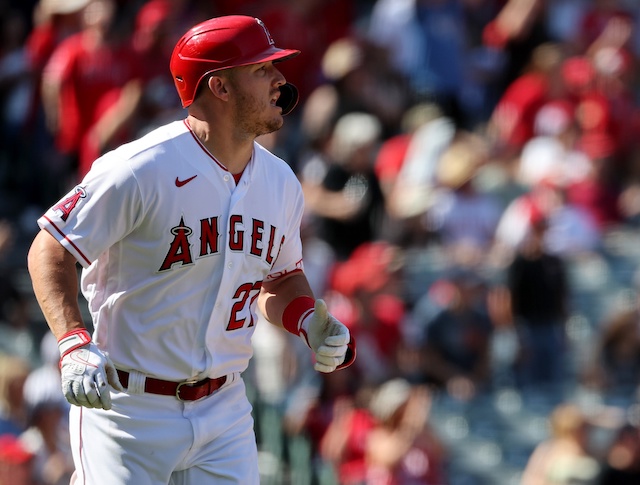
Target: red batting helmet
223, 42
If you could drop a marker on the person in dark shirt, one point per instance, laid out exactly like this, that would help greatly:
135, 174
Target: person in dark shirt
537, 281
457, 340
347, 199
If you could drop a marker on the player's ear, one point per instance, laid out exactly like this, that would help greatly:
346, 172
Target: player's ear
218, 85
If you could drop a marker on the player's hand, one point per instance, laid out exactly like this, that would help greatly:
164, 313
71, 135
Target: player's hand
328, 338
86, 374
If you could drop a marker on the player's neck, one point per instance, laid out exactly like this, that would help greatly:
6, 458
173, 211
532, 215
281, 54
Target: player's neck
234, 154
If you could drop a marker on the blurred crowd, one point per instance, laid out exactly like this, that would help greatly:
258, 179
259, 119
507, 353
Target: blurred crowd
459, 159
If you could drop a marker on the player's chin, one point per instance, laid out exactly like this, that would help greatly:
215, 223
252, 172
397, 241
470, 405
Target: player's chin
269, 127
276, 122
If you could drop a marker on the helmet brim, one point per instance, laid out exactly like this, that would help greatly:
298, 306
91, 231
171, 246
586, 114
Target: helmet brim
272, 54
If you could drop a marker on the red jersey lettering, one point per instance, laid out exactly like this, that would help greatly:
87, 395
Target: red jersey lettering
209, 236
179, 251
67, 205
272, 237
236, 237
256, 237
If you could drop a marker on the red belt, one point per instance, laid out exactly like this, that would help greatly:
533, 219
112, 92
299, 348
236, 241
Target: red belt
184, 391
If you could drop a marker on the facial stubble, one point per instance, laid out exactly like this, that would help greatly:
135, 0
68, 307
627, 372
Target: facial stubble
248, 112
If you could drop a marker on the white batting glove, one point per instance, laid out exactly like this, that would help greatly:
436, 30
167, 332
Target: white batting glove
327, 337
86, 372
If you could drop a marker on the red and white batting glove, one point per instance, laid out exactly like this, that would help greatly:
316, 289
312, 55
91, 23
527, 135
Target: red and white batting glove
86, 371
329, 338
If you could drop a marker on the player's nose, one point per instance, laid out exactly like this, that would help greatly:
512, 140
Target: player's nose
279, 79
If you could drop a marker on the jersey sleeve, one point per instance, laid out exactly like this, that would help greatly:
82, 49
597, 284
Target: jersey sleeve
289, 257
98, 212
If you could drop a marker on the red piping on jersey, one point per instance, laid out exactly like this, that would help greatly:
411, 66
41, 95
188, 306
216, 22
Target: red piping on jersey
204, 148
84, 474
67, 239
287, 273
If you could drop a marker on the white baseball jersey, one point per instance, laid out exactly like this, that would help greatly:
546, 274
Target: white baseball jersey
174, 253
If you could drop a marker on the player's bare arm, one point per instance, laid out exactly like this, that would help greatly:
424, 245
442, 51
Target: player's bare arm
86, 372
287, 302
276, 295
55, 283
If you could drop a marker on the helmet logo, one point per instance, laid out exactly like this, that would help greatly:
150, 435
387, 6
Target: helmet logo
266, 32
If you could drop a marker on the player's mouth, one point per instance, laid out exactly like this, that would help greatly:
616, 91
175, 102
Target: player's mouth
274, 99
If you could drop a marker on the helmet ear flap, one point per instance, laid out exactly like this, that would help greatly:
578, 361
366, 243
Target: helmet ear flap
288, 98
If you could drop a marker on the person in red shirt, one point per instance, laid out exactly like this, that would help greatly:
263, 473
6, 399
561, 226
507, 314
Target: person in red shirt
601, 15
512, 122
344, 442
54, 21
16, 462
90, 77
152, 42
402, 448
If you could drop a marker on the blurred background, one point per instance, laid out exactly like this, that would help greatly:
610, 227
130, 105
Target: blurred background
471, 171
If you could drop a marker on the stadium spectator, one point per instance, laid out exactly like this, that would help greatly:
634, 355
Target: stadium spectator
46, 436
512, 122
563, 458
456, 340
622, 463
312, 409
630, 191
16, 84
89, 88
53, 22
600, 16
348, 200
16, 463
17, 326
462, 217
614, 366
13, 412
517, 30
409, 184
403, 448
538, 285
152, 42
426, 41
551, 154
356, 77
366, 292
394, 151
570, 229
347, 437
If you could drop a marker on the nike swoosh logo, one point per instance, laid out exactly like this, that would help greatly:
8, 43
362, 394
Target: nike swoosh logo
77, 356
180, 183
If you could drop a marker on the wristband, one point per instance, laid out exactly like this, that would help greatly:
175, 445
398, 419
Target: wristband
295, 313
73, 340
350, 356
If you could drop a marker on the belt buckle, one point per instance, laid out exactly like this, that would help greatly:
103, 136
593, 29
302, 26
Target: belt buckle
184, 383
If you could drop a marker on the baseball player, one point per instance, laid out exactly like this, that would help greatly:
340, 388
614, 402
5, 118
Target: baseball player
181, 236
